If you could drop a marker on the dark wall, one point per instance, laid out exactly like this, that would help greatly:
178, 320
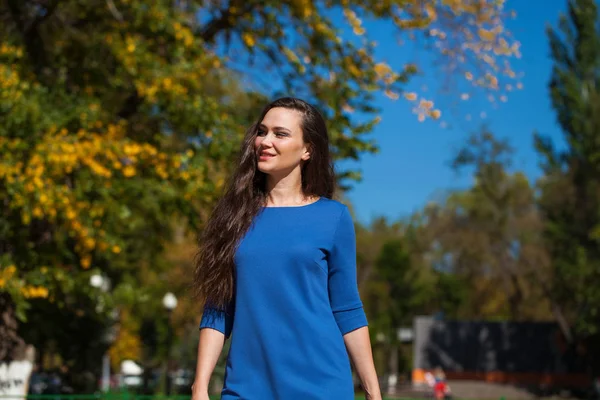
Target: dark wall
480, 346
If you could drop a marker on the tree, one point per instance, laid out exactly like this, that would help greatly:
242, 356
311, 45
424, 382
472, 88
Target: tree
395, 291
120, 119
369, 241
570, 197
491, 235
91, 180
447, 292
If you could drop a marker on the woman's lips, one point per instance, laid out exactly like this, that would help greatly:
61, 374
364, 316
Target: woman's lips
265, 156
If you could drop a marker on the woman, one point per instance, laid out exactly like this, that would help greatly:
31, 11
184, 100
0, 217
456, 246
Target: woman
277, 268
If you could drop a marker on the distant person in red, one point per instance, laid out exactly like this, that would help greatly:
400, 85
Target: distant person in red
441, 390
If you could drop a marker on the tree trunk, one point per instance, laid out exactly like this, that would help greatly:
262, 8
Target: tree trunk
16, 358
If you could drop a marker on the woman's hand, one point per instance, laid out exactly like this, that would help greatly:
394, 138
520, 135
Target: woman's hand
358, 345
376, 396
199, 394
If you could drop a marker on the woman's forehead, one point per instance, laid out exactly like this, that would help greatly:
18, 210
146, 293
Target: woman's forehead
282, 117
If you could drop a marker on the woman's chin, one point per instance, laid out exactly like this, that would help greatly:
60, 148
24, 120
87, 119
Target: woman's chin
264, 168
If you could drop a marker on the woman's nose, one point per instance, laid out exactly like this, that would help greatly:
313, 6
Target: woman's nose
267, 140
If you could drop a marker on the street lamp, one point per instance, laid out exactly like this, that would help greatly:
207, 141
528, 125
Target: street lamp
102, 283
96, 281
169, 302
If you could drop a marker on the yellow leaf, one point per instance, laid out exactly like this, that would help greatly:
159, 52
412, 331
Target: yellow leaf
359, 31
129, 171
486, 35
391, 95
248, 39
410, 96
90, 243
382, 69
86, 262
9, 272
71, 214
426, 104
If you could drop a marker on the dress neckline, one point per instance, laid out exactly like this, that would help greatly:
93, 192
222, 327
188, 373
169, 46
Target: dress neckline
301, 206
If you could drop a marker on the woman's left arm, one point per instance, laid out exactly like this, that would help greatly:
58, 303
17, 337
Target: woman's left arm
347, 306
358, 345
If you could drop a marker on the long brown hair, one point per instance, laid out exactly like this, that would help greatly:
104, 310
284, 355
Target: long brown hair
246, 194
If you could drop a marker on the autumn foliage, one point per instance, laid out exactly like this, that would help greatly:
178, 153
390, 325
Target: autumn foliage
120, 118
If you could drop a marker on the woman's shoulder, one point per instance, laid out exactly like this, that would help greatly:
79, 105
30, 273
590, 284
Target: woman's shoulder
334, 204
333, 207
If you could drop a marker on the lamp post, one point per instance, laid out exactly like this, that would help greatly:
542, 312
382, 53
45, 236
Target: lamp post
103, 284
169, 303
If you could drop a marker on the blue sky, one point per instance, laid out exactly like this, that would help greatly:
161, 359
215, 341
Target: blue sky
412, 165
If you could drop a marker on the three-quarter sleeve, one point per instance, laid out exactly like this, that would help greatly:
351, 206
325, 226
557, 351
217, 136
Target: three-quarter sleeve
343, 287
220, 320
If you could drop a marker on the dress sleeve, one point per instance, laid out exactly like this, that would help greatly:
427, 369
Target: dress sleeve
220, 320
343, 288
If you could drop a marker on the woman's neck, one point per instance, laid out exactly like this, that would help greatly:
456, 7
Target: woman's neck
286, 192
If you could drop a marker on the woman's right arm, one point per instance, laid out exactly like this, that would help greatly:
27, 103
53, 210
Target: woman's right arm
210, 345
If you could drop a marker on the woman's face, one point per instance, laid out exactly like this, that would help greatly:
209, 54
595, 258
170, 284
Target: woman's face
279, 143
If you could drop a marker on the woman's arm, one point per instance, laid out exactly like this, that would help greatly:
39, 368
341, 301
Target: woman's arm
347, 306
215, 328
358, 345
210, 345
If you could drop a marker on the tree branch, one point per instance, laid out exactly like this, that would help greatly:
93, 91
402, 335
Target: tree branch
225, 21
130, 106
12, 346
216, 25
32, 39
41, 18
114, 11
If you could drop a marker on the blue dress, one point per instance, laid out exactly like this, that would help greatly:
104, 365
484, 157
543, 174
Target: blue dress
296, 296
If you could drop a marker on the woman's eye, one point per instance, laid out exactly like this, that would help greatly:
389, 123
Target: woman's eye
261, 133
280, 134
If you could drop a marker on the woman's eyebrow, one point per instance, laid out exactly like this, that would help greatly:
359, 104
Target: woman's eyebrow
279, 128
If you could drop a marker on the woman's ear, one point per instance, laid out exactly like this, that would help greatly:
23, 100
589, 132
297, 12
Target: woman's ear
307, 152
